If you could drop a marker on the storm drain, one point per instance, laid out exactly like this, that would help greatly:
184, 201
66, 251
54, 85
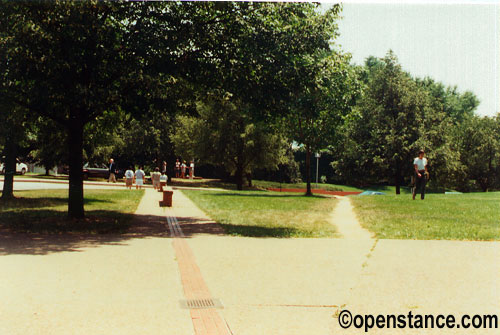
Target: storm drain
201, 303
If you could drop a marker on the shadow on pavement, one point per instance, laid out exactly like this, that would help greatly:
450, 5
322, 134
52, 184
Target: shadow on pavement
140, 227
27, 243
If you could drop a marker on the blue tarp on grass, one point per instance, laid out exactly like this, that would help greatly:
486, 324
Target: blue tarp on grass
371, 193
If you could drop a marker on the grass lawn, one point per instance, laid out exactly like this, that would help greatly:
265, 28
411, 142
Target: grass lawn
472, 216
328, 187
44, 211
257, 185
267, 214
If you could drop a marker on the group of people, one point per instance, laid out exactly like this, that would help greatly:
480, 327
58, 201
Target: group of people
182, 168
138, 176
421, 174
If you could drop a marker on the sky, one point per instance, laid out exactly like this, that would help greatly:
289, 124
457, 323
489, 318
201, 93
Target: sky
456, 43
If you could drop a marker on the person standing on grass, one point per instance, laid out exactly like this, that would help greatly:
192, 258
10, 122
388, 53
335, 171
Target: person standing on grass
421, 174
129, 178
139, 178
177, 168
183, 169
191, 170
112, 171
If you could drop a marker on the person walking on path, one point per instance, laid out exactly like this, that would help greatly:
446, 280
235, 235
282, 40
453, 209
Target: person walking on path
112, 171
139, 178
421, 174
155, 178
177, 168
129, 178
191, 170
183, 170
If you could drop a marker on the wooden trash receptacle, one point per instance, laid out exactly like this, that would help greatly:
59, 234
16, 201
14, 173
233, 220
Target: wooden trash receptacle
167, 197
162, 185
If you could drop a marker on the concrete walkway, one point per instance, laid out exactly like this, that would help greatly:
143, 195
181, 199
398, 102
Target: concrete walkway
137, 283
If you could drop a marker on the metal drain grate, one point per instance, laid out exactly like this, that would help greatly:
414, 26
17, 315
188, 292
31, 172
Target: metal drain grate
201, 303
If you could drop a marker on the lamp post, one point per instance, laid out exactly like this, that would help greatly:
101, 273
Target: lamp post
318, 155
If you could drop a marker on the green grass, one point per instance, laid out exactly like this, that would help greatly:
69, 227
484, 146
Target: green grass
257, 185
328, 187
267, 214
45, 211
472, 216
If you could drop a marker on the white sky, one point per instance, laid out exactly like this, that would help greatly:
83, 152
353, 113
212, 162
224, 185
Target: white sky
454, 42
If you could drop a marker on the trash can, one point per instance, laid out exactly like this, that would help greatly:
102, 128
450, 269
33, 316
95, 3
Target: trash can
167, 198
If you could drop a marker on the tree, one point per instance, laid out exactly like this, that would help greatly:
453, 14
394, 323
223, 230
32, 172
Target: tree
478, 140
13, 129
323, 93
50, 146
396, 116
76, 61
224, 134
389, 122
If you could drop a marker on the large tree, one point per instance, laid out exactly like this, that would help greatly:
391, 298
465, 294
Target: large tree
389, 121
396, 116
80, 60
224, 134
324, 92
478, 140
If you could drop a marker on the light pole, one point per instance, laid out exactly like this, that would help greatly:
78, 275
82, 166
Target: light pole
318, 155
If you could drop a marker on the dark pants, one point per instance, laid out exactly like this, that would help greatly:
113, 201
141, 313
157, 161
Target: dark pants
420, 184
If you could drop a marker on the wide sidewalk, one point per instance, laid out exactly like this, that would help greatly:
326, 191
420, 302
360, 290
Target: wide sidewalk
135, 284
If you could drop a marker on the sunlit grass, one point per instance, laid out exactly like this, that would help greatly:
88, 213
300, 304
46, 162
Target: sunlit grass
473, 216
267, 214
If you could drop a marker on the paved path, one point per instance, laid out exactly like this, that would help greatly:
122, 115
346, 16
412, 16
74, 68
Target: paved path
346, 221
134, 284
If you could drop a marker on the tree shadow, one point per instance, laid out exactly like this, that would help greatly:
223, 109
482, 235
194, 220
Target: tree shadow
27, 203
97, 231
94, 231
258, 231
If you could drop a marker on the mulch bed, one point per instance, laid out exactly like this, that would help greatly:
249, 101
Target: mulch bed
316, 191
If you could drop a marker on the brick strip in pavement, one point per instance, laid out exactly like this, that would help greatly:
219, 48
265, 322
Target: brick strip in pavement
205, 321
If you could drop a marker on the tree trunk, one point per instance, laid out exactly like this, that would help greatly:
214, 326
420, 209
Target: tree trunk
75, 143
249, 179
239, 177
308, 170
398, 180
10, 168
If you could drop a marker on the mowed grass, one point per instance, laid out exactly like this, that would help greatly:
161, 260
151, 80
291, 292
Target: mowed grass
328, 187
45, 211
473, 216
267, 214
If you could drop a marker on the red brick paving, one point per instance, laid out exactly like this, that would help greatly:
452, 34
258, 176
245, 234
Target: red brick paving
205, 321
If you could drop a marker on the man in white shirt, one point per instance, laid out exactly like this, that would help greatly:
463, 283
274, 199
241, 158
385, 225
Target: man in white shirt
421, 174
139, 178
